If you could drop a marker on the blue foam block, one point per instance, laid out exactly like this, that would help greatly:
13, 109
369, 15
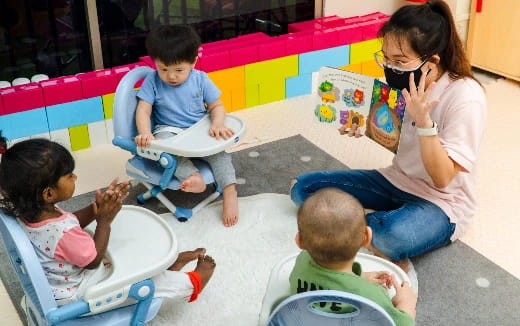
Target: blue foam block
75, 113
24, 124
333, 57
298, 85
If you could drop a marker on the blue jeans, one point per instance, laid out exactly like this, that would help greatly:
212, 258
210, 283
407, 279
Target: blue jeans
403, 225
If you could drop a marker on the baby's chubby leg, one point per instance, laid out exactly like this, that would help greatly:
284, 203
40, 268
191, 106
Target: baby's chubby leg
194, 183
191, 180
188, 174
230, 205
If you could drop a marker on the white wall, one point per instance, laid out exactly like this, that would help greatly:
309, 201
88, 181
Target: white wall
347, 8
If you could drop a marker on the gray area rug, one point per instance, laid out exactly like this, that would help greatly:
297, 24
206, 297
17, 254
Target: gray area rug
458, 286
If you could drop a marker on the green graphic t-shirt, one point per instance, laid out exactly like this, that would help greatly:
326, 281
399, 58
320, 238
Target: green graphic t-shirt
309, 276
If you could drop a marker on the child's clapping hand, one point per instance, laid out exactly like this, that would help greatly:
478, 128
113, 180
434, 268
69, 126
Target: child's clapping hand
108, 203
382, 278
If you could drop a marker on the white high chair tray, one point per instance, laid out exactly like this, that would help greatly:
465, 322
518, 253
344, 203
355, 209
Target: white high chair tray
141, 245
196, 141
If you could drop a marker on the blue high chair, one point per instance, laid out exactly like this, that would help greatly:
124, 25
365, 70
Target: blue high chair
155, 165
124, 297
279, 308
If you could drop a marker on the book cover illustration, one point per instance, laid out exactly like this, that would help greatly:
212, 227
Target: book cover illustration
350, 100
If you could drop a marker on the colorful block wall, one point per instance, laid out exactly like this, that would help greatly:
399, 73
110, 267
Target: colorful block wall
250, 70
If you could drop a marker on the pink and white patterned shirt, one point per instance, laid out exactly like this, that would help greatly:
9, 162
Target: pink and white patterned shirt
64, 249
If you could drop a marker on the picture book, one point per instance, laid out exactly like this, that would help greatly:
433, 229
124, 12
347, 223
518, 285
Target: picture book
350, 101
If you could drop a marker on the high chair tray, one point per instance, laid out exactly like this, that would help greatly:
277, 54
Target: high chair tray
196, 141
141, 245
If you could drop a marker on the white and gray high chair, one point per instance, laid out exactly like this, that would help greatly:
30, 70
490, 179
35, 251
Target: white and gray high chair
279, 308
155, 165
124, 297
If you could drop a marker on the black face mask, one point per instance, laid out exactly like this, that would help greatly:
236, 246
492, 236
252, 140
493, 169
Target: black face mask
402, 81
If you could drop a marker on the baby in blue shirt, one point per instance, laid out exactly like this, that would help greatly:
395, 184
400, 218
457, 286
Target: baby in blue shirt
176, 96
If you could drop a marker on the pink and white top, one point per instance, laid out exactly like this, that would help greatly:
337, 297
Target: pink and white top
64, 249
461, 118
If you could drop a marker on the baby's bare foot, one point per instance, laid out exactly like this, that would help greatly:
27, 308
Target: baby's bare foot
185, 257
230, 206
205, 267
194, 184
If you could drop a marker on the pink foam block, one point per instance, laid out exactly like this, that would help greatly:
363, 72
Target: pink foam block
371, 28
296, 43
1, 105
22, 98
308, 25
375, 15
242, 55
324, 39
148, 61
252, 36
61, 90
98, 82
350, 34
354, 20
213, 49
212, 61
120, 71
216, 44
272, 48
332, 21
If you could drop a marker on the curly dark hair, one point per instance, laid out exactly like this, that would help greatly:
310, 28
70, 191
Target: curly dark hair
26, 170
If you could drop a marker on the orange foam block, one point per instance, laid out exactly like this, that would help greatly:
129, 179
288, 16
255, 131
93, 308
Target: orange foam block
232, 84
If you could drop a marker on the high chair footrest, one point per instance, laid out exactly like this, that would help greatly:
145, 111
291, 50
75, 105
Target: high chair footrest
183, 213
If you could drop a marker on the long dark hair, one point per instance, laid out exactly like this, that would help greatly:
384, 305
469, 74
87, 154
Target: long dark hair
26, 170
430, 29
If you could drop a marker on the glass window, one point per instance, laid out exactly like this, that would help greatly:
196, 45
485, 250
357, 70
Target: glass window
51, 37
43, 37
124, 24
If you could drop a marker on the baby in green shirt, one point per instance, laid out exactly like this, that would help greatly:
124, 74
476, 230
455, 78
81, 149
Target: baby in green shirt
331, 230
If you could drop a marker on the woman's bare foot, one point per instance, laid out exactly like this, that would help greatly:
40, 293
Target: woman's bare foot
205, 267
230, 206
194, 183
185, 257
404, 264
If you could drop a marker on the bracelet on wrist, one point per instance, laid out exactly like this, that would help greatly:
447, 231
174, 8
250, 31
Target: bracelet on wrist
427, 131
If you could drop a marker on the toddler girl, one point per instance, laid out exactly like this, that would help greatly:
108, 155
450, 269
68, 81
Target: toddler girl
37, 174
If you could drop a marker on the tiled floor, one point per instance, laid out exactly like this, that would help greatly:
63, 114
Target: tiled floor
495, 232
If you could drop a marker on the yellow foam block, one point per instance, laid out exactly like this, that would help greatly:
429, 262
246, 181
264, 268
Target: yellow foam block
79, 138
371, 68
108, 104
364, 51
228, 79
265, 71
354, 68
252, 95
271, 91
